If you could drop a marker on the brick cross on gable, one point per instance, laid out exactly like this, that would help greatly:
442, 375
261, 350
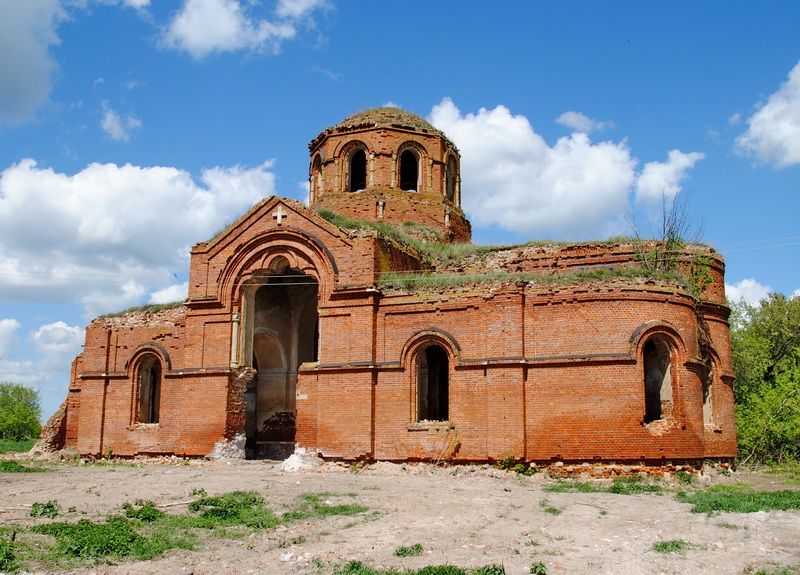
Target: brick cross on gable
279, 214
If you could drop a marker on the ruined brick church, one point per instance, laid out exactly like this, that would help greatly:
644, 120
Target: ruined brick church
366, 327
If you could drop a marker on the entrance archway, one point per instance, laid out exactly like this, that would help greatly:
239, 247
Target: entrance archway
282, 326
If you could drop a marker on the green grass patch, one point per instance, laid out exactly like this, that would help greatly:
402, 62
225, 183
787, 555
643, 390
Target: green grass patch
620, 486
410, 551
16, 446
8, 560
631, 485
143, 531
116, 537
794, 570
538, 568
8, 466
566, 486
548, 508
319, 505
671, 546
359, 568
739, 499
236, 508
50, 509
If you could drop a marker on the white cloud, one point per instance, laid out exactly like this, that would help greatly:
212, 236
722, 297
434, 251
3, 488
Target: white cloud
660, 180
297, 9
735, 119
8, 335
57, 344
512, 178
581, 122
205, 26
748, 290
796, 293
136, 3
117, 127
27, 31
169, 294
773, 132
109, 235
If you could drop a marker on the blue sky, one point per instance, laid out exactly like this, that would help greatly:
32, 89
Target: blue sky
131, 129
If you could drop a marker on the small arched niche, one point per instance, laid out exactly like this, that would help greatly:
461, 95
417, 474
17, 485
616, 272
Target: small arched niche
409, 170
657, 362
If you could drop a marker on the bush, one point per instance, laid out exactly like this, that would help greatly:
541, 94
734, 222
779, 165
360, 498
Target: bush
19, 412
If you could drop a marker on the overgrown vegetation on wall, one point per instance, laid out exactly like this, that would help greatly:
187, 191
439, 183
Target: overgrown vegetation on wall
765, 342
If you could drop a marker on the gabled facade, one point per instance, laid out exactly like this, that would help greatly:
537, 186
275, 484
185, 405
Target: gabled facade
292, 337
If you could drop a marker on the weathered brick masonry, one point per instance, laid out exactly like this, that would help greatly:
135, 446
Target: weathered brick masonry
289, 336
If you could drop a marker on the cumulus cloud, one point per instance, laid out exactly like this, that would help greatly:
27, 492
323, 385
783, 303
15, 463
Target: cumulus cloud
514, 179
57, 343
581, 122
773, 131
796, 293
169, 294
108, 235
202, 27
659, 180
27, 31
8, 335
748, 290
117, 127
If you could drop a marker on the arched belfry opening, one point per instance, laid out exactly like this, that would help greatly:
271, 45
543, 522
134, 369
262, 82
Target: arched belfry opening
281, 332
433, 374
409, 171
358, 171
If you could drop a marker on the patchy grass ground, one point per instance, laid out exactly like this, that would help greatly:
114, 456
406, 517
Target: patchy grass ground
250, 517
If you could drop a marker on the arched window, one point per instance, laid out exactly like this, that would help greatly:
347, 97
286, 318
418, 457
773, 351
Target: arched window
149, 396
708, 390
358, 171
656, 357
432, 384
409, 171
316, 178
450, 178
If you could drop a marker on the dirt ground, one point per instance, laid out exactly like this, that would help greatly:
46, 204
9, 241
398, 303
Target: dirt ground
467, 516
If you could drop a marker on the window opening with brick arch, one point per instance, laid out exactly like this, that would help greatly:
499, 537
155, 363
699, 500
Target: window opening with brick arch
149, 389
707, 380
657, 360
281, 333
357, 170
316, 178
409, 171
433, 373
450, 178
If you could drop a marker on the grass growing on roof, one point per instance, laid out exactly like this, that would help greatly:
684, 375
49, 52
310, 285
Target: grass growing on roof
430, 281
153, 308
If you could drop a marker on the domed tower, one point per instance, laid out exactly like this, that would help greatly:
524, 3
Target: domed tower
386, 164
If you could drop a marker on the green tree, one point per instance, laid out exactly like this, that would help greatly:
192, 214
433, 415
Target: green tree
19, 412
765, 341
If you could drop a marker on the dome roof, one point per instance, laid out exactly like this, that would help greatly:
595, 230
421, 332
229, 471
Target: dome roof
384, 118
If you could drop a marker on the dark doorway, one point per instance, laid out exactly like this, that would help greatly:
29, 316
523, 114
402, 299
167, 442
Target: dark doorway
432, 384
284, 335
